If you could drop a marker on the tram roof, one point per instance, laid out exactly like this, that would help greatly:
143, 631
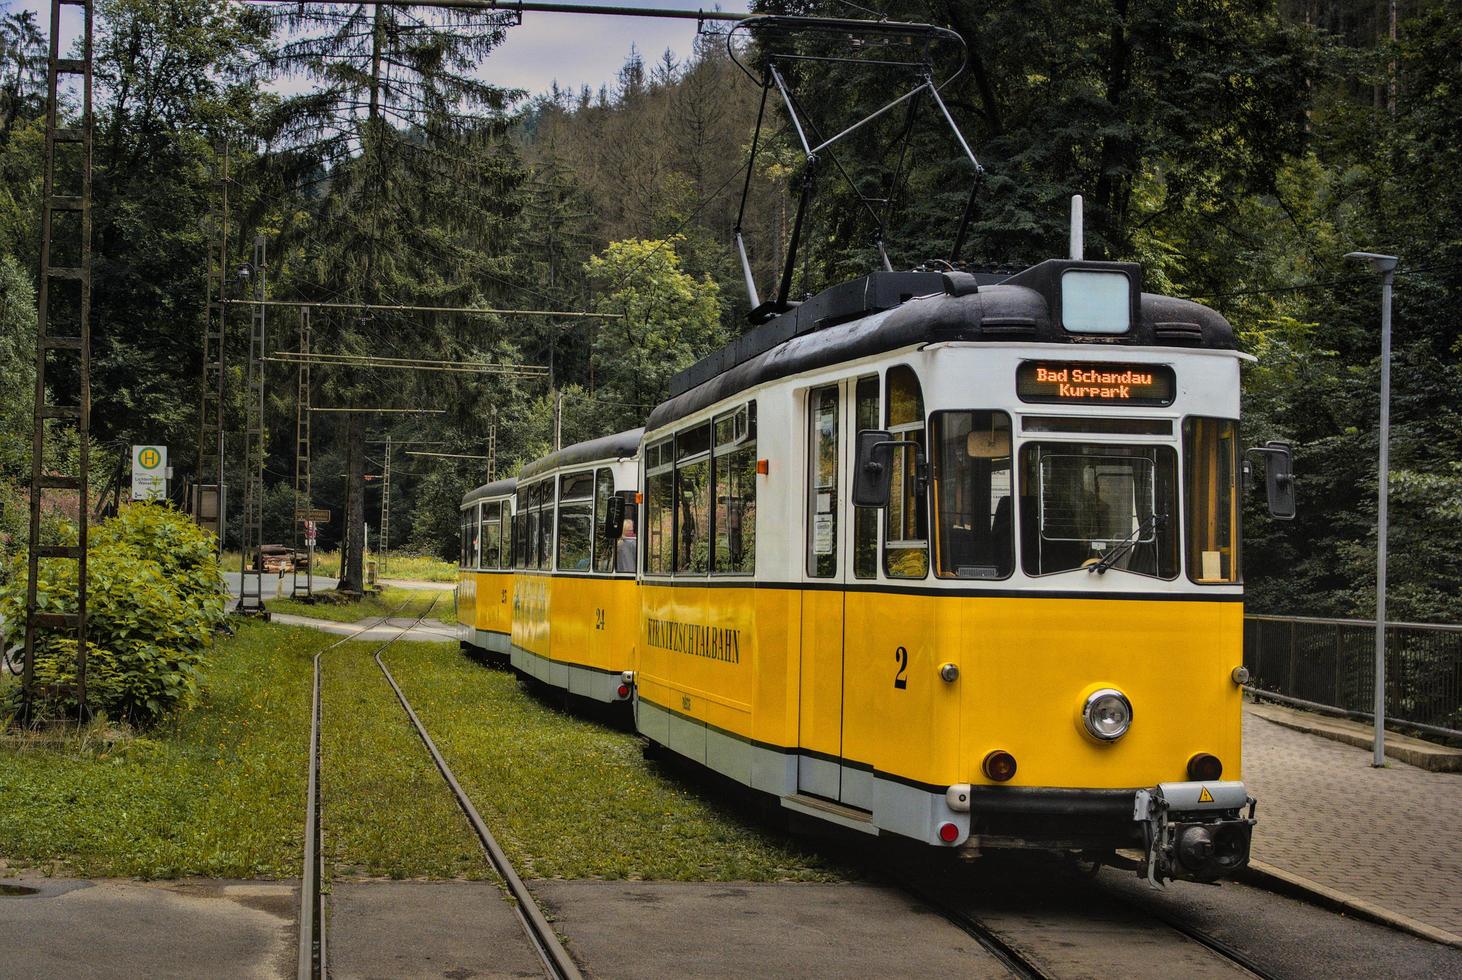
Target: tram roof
621, 445
927, 308
497, 488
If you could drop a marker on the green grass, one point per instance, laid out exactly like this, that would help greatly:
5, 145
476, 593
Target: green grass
220, 791
569, 798
390, 601
399, 565
387, 812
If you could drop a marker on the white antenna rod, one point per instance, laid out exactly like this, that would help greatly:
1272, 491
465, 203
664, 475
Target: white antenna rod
1078, 243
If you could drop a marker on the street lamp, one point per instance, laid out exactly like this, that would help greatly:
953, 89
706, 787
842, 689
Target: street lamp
1386, 266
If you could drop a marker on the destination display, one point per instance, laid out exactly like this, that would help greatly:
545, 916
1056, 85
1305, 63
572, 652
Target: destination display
1068, 382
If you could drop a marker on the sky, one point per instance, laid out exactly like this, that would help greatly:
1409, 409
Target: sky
572, 49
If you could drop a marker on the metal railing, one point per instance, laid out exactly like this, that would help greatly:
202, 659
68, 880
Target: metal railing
1331, 663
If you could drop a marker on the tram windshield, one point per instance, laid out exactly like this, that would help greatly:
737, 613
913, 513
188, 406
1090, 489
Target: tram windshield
1086, 503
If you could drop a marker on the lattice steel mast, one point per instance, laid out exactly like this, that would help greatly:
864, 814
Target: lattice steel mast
62, 337
251, 583
210, 405
303, 499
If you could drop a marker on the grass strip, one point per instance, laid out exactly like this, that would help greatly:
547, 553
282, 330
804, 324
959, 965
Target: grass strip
218, 791
400, 565
335, 608
571, 798
386, 810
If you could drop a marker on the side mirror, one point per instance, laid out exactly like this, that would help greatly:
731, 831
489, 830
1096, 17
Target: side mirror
873, 476
1278, 478
614, 518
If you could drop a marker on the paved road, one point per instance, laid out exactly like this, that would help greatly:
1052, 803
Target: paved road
271, 585
1392, 836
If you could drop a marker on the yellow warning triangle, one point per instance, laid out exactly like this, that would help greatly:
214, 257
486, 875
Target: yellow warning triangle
1204, 796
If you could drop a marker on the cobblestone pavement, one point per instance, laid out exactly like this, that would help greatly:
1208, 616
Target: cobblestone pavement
1392, 836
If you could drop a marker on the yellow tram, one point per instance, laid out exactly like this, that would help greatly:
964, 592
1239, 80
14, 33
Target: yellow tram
485, 576
959, 560
574, 550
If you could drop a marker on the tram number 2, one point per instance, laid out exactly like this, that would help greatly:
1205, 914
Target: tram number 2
598, 619
900, 681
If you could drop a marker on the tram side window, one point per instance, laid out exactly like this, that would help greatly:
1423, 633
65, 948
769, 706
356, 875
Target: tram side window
693, 500
865, 519
520, 531
626, 548
545, 524
659, 514
603, 547
974, 536
734, 479
505, 535
462, 539
1211, 454
905, 544
575, 520
823, 499
489, 535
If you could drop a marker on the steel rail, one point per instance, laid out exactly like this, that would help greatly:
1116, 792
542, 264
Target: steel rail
545, 941
1011, 958
311, 960
1213, 944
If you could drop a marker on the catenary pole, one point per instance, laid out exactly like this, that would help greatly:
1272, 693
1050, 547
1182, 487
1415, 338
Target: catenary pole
1386, 266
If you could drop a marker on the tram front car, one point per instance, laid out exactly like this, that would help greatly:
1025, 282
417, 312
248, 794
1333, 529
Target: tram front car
1073, 477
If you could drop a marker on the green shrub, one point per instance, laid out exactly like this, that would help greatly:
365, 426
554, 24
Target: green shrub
154, 597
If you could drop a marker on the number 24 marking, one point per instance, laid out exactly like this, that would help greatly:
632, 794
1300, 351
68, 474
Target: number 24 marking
900, 682
598, 619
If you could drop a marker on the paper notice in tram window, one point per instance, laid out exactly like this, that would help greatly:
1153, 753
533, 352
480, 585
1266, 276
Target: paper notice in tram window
1212, 566
822, 534
824, 502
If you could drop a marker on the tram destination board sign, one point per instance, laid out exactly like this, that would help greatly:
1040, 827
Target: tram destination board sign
1095, 383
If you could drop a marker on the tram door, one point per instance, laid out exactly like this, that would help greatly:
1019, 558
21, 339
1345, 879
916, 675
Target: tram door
821, 671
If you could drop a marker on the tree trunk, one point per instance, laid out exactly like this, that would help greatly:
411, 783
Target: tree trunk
352, 565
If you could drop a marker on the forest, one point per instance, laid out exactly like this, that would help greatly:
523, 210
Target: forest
1237, 149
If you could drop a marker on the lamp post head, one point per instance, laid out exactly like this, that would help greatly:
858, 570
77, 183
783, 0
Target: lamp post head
1380, 263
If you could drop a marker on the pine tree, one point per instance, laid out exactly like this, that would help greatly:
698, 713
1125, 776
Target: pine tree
403, 144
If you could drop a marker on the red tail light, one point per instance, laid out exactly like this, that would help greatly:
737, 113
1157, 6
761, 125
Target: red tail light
623, 690
948, 832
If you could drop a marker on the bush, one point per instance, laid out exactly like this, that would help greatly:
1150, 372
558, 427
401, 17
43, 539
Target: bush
154, 597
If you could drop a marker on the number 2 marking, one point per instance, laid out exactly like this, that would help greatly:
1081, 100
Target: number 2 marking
900, 682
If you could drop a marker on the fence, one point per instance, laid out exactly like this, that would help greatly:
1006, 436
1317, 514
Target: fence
1331, 662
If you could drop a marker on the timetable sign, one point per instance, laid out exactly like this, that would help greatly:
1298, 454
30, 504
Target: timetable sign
1078, 382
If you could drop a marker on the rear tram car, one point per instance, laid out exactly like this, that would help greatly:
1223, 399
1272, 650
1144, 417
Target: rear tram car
956, 560
574, 556
485, 574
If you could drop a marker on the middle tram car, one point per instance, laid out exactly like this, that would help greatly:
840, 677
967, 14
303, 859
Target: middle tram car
574, 557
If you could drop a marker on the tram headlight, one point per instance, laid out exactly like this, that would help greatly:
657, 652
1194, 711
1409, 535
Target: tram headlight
1107, 714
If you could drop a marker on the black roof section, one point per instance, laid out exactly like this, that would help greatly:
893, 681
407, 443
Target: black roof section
621, 445
928, 308
497, 488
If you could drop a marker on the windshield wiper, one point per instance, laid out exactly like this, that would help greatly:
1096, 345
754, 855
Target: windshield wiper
1152, 524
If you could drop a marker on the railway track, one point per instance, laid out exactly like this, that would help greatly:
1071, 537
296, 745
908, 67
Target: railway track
313, 961
1022, 956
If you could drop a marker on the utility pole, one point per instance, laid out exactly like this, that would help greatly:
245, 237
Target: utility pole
251, 583
492, 447
1386, 266
62, 334
303, 497
557, 421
